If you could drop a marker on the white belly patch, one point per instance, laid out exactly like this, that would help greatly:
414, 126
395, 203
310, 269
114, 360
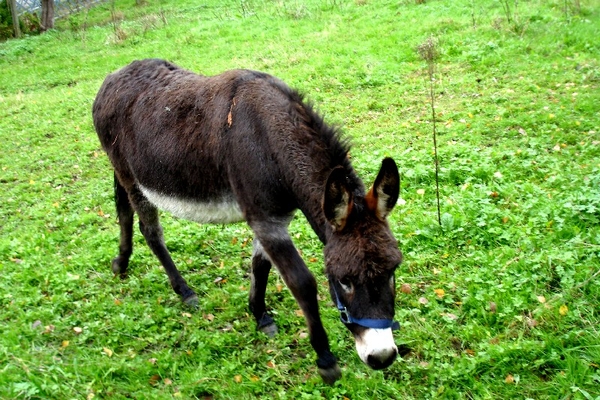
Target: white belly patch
220, 211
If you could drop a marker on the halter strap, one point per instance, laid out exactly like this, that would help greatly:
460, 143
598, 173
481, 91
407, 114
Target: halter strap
347, 319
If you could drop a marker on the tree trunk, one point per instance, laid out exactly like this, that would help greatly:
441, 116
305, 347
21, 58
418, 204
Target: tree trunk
12, 5
47, 21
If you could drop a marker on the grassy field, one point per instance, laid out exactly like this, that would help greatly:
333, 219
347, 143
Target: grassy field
500, 301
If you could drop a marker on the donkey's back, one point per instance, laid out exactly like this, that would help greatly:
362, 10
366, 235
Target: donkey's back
176, 134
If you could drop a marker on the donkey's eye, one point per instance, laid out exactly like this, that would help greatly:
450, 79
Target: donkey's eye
346, 285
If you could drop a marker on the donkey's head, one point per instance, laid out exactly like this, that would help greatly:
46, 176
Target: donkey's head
361, 256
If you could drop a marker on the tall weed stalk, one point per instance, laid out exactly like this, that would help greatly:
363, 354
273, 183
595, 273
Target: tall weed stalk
428, 52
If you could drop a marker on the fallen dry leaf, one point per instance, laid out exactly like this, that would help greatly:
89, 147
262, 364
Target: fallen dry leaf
509, 379
423, 300
563, 310
532, 323
237, 379
107, 351
439, 292
405, 288
77, 330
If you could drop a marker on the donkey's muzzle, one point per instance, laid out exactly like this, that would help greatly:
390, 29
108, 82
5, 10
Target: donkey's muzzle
382, 359
376, 347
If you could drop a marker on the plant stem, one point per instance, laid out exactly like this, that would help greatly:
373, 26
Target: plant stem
437, 164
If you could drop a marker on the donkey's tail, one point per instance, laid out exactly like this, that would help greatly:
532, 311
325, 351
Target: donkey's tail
125, 217
122, 202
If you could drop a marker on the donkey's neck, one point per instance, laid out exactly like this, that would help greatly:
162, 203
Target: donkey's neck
314, 170
308, 150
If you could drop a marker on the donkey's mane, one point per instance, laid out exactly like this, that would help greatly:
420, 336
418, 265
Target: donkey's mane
336, 143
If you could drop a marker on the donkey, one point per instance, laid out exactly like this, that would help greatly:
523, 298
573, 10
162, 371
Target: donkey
243, 146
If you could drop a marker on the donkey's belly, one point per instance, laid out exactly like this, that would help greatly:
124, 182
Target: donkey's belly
220, 211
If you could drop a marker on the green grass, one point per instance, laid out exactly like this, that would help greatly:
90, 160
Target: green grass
504, 295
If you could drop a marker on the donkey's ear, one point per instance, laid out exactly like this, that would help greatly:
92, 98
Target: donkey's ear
337, 201
383, 196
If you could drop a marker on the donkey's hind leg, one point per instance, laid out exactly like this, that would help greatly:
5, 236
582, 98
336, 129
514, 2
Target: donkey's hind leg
125, 217
261, 265
153, 233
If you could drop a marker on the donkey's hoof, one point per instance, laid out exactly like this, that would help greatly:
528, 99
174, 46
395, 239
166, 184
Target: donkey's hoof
118, 268
330, 375
192, 301
266, 325
270, 330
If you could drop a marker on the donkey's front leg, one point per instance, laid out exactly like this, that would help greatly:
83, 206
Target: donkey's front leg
281, 251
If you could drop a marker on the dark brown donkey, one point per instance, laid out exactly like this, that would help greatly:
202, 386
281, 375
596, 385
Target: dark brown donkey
244, 146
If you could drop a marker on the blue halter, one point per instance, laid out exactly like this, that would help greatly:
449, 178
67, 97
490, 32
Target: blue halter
347, 319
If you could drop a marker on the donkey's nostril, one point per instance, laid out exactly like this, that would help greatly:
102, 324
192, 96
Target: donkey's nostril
382, 359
